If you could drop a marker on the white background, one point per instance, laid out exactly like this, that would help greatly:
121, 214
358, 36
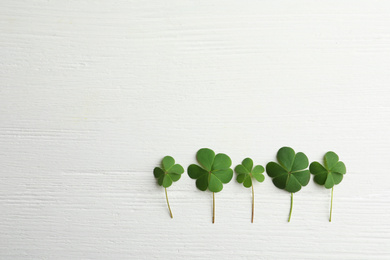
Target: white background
94, 93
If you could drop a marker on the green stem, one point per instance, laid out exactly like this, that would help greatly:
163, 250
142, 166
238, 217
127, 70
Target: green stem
331, 206
291, 207
166, 196
213, 208
253, 203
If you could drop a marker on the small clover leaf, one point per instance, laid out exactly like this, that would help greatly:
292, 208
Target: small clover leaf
329, 174
213, 172
290, 172
245, 173
168, 173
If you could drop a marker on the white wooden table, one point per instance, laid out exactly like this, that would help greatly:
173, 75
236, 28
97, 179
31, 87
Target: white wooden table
94, 93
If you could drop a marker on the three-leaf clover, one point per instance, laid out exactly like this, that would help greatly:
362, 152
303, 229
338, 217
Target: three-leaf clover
290, 173
245, 173
329, 174
214, 170
168, 173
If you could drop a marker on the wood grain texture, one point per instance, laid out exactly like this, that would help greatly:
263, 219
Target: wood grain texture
94, 94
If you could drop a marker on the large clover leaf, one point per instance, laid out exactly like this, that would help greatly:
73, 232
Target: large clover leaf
214, 170
168, 173
290, 172
329, 174
245, 173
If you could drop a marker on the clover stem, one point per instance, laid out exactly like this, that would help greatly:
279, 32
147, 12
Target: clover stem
213, 207
253, 203
291, 207
166, 196
331, 206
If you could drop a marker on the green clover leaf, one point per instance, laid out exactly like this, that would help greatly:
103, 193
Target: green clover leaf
168, 173
290, 172
329, 174
213, 172
245, 173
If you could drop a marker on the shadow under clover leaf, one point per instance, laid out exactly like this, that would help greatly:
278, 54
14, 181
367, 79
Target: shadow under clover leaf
290, 173
212, 173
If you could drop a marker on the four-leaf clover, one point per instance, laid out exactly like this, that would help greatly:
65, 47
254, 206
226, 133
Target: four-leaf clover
329, 174
290, 173
245, 173
167, 174
214, 170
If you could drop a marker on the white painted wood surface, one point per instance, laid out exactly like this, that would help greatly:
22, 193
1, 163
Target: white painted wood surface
94, 93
